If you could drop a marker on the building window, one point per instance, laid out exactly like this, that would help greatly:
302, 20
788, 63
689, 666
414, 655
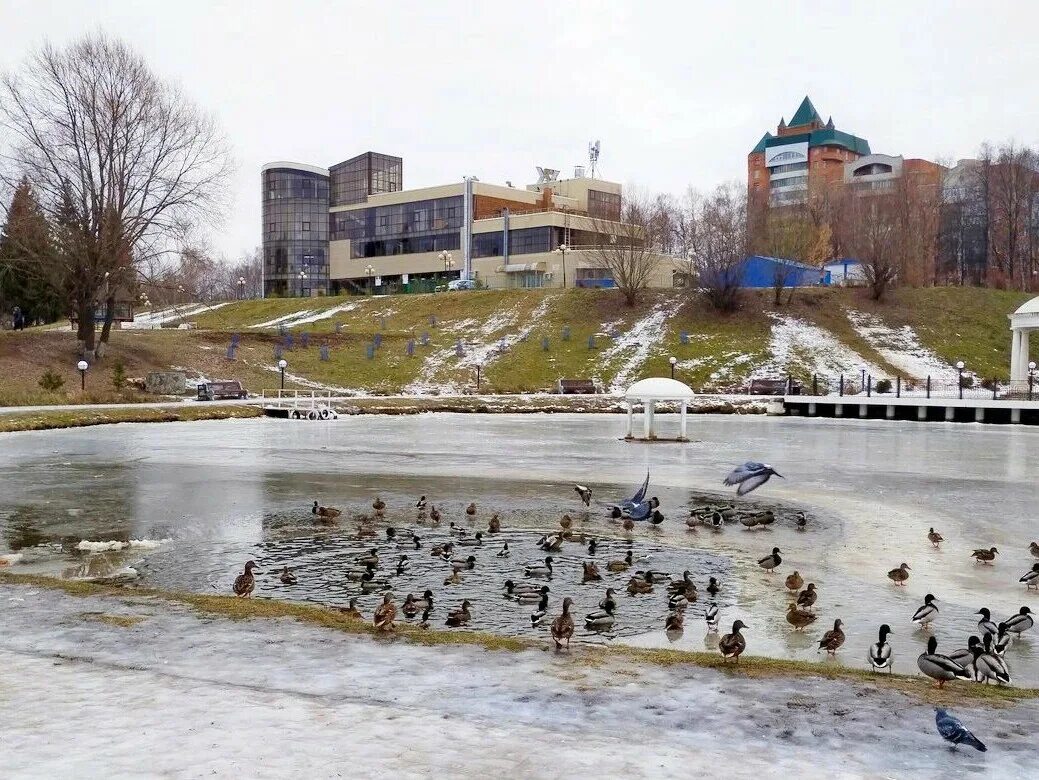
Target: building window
384, 221
451, 212
306, 227
271, 228
604, 205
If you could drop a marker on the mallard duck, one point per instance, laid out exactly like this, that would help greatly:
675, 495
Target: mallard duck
532, 596
378, 505
416, 542
369, 584
879, 655
504, 551
934, 537
713, 586
245, 583
940, 667
424, 624
426, 602
984, 556
421, 503
1034, 549
989, 666
965, 655
899, 575
1031, 577
986, 625
539, 570
675, 621
540, 611
409, 607
585, 493
654, 576
603, 617
565, 522
563, 626
459, 617
832, 639
513, 588
758, 519
551, 543
927, 612
454, 578
457, 530
794, 581
459, 564
732, 645
1002, 640
1021, 622
677, 601
442, 549
370, 559
328, 512
799, 618
620, 565
711, 617
807, 597
800, 521
628, 524
351, 611
684, 587
287, 577
593, 546
475, 541
403, 565
471, 510
434, 515
638, 585
771, 562
591, 572
494, 524
385, 614
356, 575
716, 521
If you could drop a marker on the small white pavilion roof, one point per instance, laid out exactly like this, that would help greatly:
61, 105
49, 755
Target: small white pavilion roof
1027, 315
659, 389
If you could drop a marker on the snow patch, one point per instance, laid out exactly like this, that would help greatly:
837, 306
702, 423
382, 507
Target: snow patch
796, 344
155, 319
635, 344
307, 316
107, 546
901, 347
284, 319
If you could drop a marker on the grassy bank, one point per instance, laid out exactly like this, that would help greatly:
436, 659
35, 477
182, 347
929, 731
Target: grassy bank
749, 666
39, 421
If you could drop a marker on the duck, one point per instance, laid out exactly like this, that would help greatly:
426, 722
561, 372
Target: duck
711, 618
416, 542
563, 626
685, 588
371, 559
426, 602
1002, 642
940, 667
513, 588
593, 546
551, 543
899, 575
984, 556
540, 611
457, 530
800, 521
434, 515
1021, 622
329, 512
716, 521
1034, 549
459, 617
403, 565
471, 510
927, 612
675, 621
799, 618
494, 524
591, 572
713, 586
532, 596
732, 645
585, 494
424, 623
794, 581
638, 585
879, 655
504, 551
833, 639
628, 524
441, 549
654, 576
369, 584
475, 541
1031, 577
677, 601
608, 602
965, 655
621, 565
287, 577
934, 537
351, 611
458, 564
421, 503
565, 522
245, 583
694, 521
603, 617
356, 575
409, 607
378, 505
986, 625
988, 665
454, 578
385, 614
538, 569
807, 597
771, 562
758, 519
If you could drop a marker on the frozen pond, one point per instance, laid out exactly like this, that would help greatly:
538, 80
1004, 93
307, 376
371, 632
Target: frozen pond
225, 492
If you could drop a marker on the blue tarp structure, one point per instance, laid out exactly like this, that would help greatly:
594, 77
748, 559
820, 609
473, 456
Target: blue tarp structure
758, 271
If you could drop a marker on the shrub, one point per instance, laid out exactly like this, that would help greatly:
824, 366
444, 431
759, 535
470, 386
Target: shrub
989, 384
884, 386
967, 380
118, 376
51, 381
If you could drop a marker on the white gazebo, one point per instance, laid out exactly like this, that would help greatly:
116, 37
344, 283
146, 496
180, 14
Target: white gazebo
1022, 322
649, 392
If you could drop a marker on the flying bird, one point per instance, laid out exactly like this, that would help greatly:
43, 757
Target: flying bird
585, 493
626, 507
750, 476
955, 732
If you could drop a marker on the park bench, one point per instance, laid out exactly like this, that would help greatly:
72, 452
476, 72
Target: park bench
572, 386
774, 387
209, 391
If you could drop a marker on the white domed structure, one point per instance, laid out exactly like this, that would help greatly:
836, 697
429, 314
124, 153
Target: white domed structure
1022, 322
649, 392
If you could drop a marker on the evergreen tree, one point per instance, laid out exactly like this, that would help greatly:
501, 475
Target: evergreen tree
30, 275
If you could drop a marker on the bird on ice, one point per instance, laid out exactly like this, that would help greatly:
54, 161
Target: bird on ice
585, 493
750, 476
955, 732
635, 501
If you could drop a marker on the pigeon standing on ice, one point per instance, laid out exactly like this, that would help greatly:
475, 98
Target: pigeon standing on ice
955, 732
585, 493
750, 476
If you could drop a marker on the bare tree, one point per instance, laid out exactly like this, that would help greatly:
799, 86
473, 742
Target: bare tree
120, 160
874, 238
631, 249
716, 242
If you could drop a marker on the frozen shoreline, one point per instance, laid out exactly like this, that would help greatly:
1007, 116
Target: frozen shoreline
184, 696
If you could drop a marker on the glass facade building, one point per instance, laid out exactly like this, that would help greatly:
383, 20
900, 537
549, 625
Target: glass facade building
295, 230
400, 229
371, 173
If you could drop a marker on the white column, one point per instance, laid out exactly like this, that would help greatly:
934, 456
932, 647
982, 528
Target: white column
1023, 368
681, 422
651, 407
1015, 355
631, 419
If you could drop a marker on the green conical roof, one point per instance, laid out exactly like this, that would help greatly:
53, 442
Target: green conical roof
760, 146
805, 114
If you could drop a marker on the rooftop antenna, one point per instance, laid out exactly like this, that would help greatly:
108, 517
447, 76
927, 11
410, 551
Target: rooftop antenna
593, 157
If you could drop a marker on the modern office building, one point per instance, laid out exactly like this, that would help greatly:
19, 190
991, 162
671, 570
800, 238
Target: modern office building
379, 236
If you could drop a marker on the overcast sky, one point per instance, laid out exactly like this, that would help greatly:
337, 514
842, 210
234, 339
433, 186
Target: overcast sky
677, 95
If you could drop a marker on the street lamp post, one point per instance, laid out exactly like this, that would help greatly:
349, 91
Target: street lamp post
241, 288
478, 367
672, 360
562, 250
370, 273
448, 261
302, 279
1031, 378
82, 366
282, 364
959, 376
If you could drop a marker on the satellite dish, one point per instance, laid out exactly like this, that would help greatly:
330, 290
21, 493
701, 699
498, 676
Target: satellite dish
547, 175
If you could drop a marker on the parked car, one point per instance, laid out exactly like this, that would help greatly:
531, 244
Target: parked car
461, 284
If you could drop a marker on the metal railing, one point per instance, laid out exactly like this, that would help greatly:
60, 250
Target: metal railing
296, 399
865, 384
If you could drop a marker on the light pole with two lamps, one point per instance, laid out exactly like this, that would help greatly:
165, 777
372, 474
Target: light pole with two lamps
302, 280
282, 365
448, 261
959, 376
241, 288
561, 251
83, 366
1031, 377
369, 272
